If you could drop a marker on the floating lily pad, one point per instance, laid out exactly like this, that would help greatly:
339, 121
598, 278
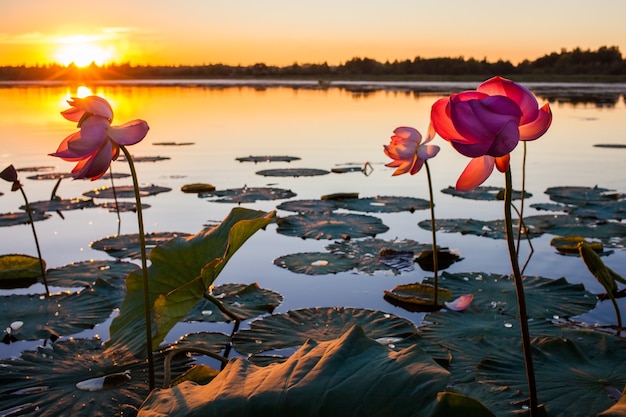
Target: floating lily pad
417, 296
374, 255
610, 145
293, 172
484, 193
340, 196
307, 206
127, 246
35, 169
19, 271
85, 274
330, 226
197, 188
14, 219
246, 301
122, 206
139, 159
126, 191
586, 360
545, 298
569, 244
581, 195
383, 204
445, 258
211, 341
48, 317
293, 328
268, 158
315, 263
50, 176
352, 375
251, 194
344, 170
173, 143
76, 378
59, 204
608, 210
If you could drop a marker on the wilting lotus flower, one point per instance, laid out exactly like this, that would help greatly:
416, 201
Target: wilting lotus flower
97, 143
487, 124
408, 151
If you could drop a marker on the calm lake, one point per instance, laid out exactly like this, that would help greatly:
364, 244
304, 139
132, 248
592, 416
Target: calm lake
326, 126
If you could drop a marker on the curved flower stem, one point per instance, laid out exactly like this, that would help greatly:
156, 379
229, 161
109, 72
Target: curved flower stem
521, 301
32, 225
144, 269
434, 232
117, 205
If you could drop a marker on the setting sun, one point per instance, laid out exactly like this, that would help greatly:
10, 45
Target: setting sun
82, 51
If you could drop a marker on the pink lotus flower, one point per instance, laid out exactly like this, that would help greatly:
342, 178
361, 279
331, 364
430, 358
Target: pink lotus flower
408, 151
97, 143
487, 124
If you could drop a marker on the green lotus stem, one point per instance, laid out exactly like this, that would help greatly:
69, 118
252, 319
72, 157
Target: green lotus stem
520, 223
222, 307
32, 225
434, 232
117, 205
521, 301
144, 269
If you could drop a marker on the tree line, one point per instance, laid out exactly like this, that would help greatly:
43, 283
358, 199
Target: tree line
603, 62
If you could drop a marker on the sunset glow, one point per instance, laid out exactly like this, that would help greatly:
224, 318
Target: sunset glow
82, 51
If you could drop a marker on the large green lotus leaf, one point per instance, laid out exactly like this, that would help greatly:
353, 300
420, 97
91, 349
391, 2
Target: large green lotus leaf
75, 378
349, 376
293, 172
330, 226
211, 341
383, 204
14, 219
268, 158
59, 204
374, 255
85, 274
17, 266
315, 263
484, 193
293, 328
126, 191
181, 271
545, 298
308, 206
50, 317
246, 301
128, 246
581, 195
576, 376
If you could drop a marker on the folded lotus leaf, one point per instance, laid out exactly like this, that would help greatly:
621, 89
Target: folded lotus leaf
351, 375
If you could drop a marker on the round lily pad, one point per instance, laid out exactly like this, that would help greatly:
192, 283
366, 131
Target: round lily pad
121, 206
340, 196
35, 169
268, 158
292, 172
19, 271
315, 263
59, 204
330, 226
173, 143
85, 274
50, 176
14, 219
610, 145
75, 377
545, 298
307, 206
292, 329
211, 341
139, 159
127, 246
383, 204
251, 194
417, 296
48, 317
581, 195
374, 255
126, 191
197, 188
484, 193
246, 301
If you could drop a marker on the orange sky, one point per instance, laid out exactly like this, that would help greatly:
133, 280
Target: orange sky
282, 32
